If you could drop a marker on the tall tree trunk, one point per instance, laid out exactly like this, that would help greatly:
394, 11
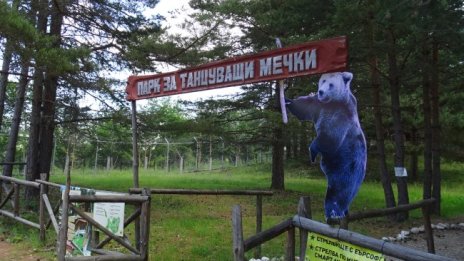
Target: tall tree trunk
33, 143
277, 151
379, 131
436, 128
403, 197
427, 191
49, 97
15, 124
7, 58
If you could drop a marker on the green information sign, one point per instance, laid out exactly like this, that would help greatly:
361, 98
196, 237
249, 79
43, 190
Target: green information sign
325, 248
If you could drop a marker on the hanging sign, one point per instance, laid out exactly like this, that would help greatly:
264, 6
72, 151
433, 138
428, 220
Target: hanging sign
325, 248
401, 172
316, 57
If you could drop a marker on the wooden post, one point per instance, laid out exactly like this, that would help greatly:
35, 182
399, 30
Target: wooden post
145, 225
135, 166
43, 176
428, 229
304, 210
237, 234
63, 236
16, 199
290, 253
259, 222
210, 153
135, 151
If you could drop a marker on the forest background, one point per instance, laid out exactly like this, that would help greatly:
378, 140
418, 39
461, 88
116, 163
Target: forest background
407, 58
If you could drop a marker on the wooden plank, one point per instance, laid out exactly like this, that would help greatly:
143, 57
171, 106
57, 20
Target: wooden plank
304, 210
383, 247
51, 213
108, 198
237, 234
267, 235
48, 183
55, 210
20, 181
105, 230
19, 219
206, 192
129, 220
389, 211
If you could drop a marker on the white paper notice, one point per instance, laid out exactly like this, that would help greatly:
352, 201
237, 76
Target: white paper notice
110, 215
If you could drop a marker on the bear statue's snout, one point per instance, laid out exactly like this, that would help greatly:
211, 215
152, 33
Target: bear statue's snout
321, 93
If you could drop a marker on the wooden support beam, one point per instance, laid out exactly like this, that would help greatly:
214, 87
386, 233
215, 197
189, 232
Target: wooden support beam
134, 199
51, 213
205, 192
389, 211
267, 235
20, 181
55, 210
19, 219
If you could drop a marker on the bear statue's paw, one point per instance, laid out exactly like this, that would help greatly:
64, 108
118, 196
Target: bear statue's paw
334, 218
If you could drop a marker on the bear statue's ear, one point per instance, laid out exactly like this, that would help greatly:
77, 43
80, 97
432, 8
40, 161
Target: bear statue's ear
347, 77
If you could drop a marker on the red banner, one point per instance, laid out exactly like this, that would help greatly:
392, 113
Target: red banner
298, 60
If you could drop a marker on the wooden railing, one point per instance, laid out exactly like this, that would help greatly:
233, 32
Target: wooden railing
12, 194
305, 224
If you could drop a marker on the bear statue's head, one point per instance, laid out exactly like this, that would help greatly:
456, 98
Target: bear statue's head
334, 86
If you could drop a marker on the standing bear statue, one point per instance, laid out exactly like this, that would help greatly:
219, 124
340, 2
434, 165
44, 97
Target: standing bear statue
340, 140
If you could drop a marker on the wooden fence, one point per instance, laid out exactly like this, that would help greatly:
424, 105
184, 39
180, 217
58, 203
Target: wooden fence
12, 194
258, 193
141, 215
305, 224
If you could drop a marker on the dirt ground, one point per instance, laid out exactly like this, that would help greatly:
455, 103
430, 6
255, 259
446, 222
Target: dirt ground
11, 252
448, 242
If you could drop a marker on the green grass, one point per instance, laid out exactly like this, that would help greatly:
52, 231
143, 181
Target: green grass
187, 227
